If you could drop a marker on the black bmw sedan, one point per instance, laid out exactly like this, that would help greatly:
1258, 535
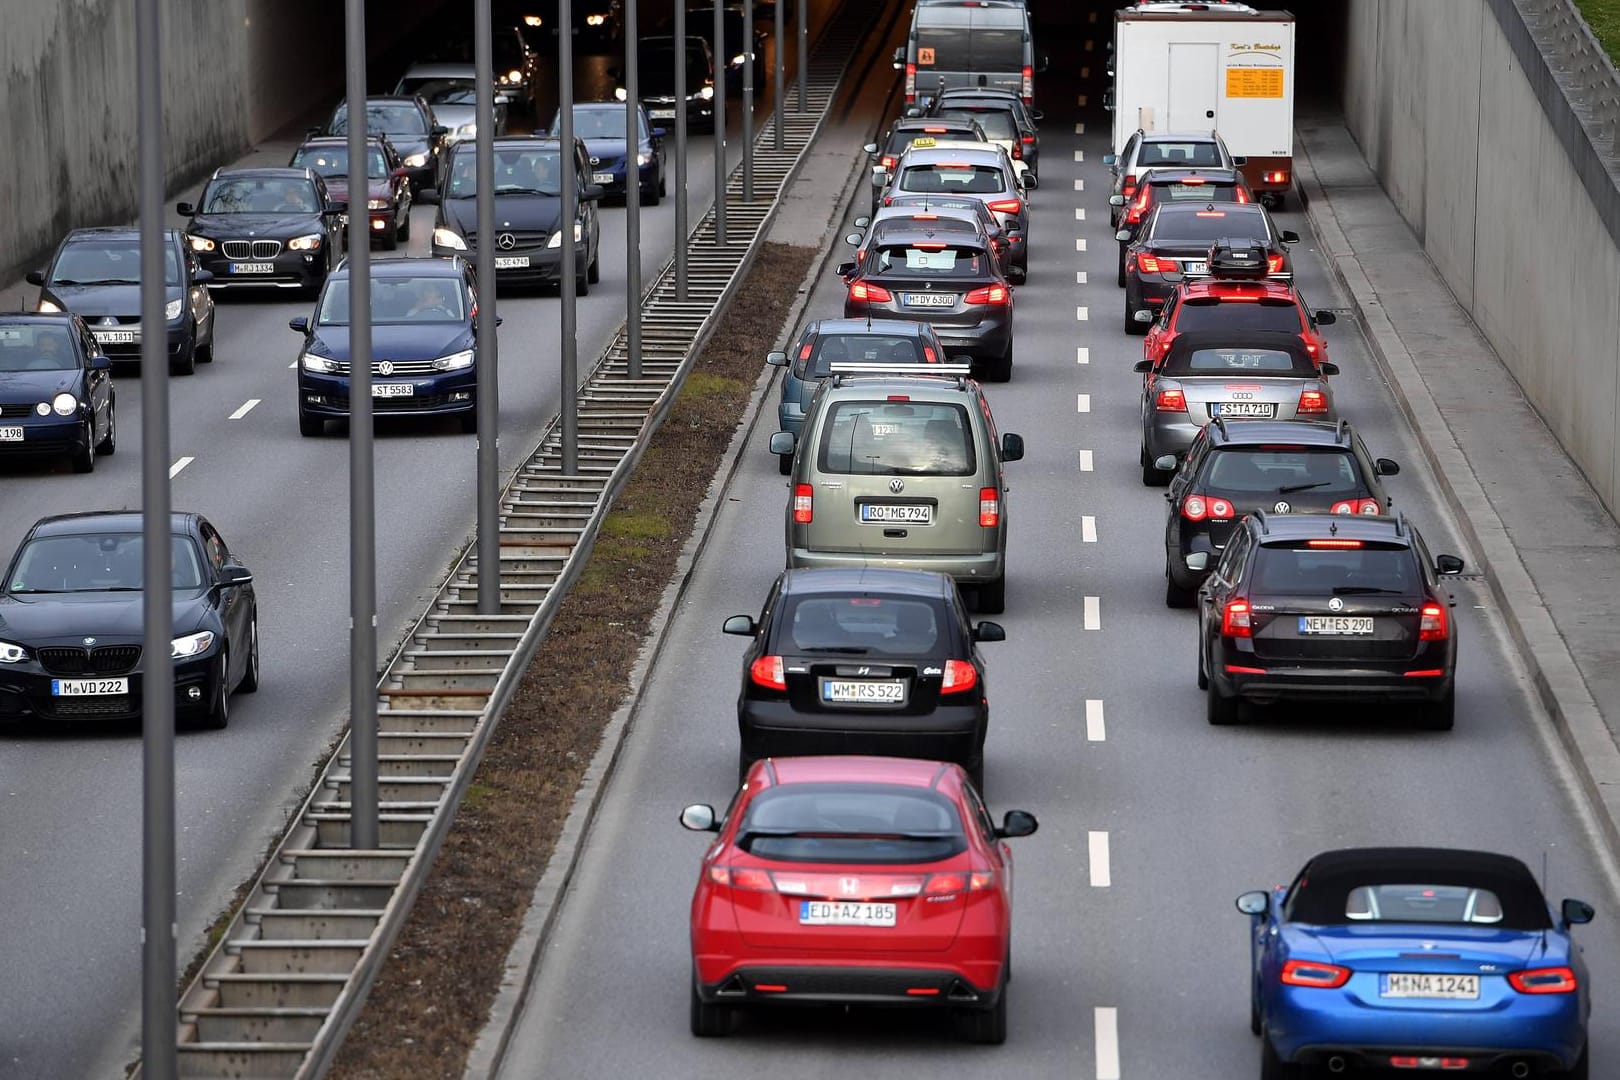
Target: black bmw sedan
71, 621
265, 227
56, 392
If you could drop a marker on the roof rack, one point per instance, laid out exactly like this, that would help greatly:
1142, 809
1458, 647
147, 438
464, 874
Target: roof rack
861, 367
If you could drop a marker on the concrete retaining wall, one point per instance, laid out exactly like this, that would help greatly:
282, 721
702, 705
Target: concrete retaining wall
1480, 142
234, 72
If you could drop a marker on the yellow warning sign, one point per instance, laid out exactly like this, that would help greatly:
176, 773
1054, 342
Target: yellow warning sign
925, 57
1254, 82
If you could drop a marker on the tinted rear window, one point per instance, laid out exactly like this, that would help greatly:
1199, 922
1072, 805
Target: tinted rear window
1312, 471
1311, 571
1207, 226
851, 823
865, 625
830, 349
997, 123
1214, 191
1185, 154
1238, 315
931, 261
951, 179
1238, 362
896, 438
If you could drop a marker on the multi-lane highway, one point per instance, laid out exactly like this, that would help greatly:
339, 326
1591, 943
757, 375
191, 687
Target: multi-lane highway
1129, 956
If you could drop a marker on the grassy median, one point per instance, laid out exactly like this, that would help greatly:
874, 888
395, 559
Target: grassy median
1603, 16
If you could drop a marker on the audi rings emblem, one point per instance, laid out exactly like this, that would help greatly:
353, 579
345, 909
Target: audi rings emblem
1335, 604
897, 485
385, 368
506, 241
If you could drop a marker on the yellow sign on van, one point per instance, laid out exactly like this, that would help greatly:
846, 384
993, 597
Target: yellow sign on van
1254, 82
925, 57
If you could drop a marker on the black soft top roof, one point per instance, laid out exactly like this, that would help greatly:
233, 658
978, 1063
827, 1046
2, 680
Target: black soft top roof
1319, 895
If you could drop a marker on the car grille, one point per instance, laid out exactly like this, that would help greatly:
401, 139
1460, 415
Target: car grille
399, 368
523, 241
250, 249
115, 705
15, 411
106, 660
419, 403
1330, 649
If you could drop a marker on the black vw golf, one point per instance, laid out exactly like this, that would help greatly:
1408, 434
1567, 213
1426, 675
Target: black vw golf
71, 621
56, 393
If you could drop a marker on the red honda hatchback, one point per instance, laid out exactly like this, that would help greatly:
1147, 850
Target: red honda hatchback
854, 880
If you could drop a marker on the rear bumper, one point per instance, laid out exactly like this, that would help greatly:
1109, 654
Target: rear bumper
952, 732
1281, 682
988, 338
1257, 169
928, 985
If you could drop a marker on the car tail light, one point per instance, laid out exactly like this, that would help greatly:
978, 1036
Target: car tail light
1029, 85
1310, 347
1128, 188
742, 877
1368, 508
1432, 623
1277, 177
944, 884
804, 353
1156, 264
1219, 510
959, 676
1310, 973
989, 507
1235, 623
1017, 152
990, 294
1170, 401
1311, 401
1274, 264
1365, 507
1027, 140
888, 161
1006, 206
804, 504
924, 217
1242, 196
868, 293
1194, 508
1553, 980
1139, 205
1210, 213
767, 672
911, 83
928, 355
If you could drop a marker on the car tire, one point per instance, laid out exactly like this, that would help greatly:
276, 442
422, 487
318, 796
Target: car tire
582, 284
593, 272
1153, 477
250, 677
784, 464
663, 185
1255, 1026
390, 242
987, 1027
1582, 1067
1120, 278
1174, 595
404, 230
1439, 715
991, 597
218, 716
1132, 304
84, 461
1203, 676
106, 447
1221, 710
310, 426
205, 353
651, 196
186, 365
469, 421
1000, 368
1273, 1067
708, 1021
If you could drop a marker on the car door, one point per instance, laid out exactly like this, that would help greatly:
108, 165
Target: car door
232, 600
98, 384
200, 299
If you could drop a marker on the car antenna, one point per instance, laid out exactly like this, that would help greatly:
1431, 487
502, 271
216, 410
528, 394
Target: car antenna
1333, 528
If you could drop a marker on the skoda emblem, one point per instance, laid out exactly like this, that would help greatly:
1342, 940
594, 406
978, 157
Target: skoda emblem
849, 886
1281, 508
89, 641
1335, 604
897, 485
385, 368
506, 241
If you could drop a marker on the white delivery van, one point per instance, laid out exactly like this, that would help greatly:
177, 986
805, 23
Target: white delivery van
1193, 67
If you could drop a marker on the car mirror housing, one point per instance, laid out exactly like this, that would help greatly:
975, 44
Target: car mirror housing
1240, 160
1447, 565
1017, 823
870, 148
1031, 181
235, 575
185, 209
592, 192
1124, 235
699, 817
1328, 367
1198, 560
1576, 912
783, 442
1037, 114
1110, 159
438, 131
299, 323
335, 208
989, 631
1143, 315
399, 172
35, 277
202, 277
1142, 367
741, 625
100, 362
1165, 462
853, 239
1012, 447
1253, 903
862, 222
1116, 200
776, 358
844, 269
1387, 467
659, 133
1288, 236
1326, 318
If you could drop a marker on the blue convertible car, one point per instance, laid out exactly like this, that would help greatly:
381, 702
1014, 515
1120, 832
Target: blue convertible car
1416, 958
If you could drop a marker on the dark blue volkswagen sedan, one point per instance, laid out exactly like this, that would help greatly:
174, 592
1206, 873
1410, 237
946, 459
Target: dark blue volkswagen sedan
56, 392
423, 344
601, 124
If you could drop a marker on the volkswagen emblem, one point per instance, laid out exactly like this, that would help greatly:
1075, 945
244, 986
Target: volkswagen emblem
1281, 508
849, 886
89, 641
385, 368
506, 241
1335, 604
897, 485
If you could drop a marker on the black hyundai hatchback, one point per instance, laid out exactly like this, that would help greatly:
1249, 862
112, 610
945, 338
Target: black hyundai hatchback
270, 227
1328, 608
866, 661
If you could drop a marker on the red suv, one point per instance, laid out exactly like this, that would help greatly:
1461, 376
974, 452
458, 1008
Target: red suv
1217, 304
854, 880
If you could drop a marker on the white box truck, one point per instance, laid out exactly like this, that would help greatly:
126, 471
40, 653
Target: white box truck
1190, 67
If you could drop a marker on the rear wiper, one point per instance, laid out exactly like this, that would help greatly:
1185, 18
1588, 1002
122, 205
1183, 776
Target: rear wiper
1303, 487
1363, 590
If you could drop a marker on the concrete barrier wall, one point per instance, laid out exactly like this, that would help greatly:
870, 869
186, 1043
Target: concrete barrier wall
1464, 122
234, 72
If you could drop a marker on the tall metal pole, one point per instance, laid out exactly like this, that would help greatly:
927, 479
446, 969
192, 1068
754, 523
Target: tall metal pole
362, 483
570, 214
632, 180
804, 51
720, 126
681, 259
489, 386
748, 102
158, 1031
779, 87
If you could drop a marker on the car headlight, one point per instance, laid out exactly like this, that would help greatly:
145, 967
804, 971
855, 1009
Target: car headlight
12, 654
595, 20
171, 310
48, 306
455, 361
64, 404
467, 131
514, 75
556, 237
416, 161
707, 93
376, 204
200, 243
312, 242
739, 60
618, 92
314, 361
449, 238
191, 644
644, 158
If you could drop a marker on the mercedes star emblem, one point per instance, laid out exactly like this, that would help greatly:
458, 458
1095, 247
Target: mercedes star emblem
385, 368
1335, 604
897, 485
506, 241
1281, 508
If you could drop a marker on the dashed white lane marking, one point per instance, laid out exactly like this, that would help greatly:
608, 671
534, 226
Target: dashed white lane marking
293, 364
1101, 878
1090, 44
1079, 243
1088, 529
245, 409
1079, 184
174, 470
1082, 100
1095, 732
1079, 155
1085, 73
1085, 461
1079, 213
1082, 353
1080, 127
1082, 313
1092, 620
1107, 1032
1083, 402
1079, 277
1091, 17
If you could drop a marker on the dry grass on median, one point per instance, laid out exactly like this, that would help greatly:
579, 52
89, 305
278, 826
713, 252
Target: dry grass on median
432, 997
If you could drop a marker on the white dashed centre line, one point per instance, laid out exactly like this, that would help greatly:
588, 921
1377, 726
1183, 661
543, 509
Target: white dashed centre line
1080, 128
1079, 184
1079, 213
1079, 243
1101, 877
1094, 721
1082, 100
1083, 314
1079, 277
1085, 73
174, 470
1088, 529
1082, 354
1083, 402
1091, 17
1085, 461
1079, 155
245, 409
293, 364
1093, 613
1090, 44
1107, 1031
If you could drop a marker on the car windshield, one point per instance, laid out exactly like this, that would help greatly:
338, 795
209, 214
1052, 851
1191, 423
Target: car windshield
851, 823
830, 349
952, 178
592, 123
860, 625
392, 118
931, 260
1202, 191
1238, 361
657, 69
398, 300
332, 161
1321, 571
259, 195
35, 347
1186, 226
97, 562
108, 262
517, 172
1238, 315
1184, 154
997, 123
896, 438
1282, 470
1422, 904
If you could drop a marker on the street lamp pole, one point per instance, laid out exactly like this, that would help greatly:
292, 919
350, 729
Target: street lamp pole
632, 181
488, 403
720, 126
779, 87
568, 323
681, 258
748, 103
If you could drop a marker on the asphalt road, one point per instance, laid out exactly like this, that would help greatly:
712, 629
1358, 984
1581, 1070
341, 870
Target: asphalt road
1130, 958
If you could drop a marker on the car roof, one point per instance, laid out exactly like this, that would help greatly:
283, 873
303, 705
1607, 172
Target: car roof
93, 521
923, 155
119, 232
919, 386
1278, 340
448, 266
323, 140
857, 769
944, 213
1329, 876
866, 579
1181, 136
920, 123
890, 327
1307, 432
1293, 526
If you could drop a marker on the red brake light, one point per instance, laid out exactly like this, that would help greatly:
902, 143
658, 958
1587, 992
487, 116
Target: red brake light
1210, 213
1170, 401
989, 507
1129, 186
1235, 623
1553, 980
990, 294
1193, 508
1006, 206
1337, 544
1309, 973
1242, 196
1312, 401
1139, 205
1407, 1061
1432, 626
928, 355
944, 884
1278, 177
804, 353
870, 293
804, 498
1028, 140
889, 161
911, 83
1193, 180
959, 676
929, 245
767, 672
1029, 85
935, 131
741, 877
1156, 264
1274, 264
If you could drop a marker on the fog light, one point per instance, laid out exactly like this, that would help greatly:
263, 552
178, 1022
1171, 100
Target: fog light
194, 693
461, 395
379, 225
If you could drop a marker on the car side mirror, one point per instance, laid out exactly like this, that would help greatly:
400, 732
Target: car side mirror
1198, 560
1165, 462
659, 133
1386, 467
1116, 200
232, 575
438, 131
989, 631
1143, 367
900, 56
299, 323
1031, 181
101, 362
1328, 367
870, 148
699, 817
1448, 565
844, 268
1253, 903
853, 239
1325, 318
880, 176
399, 172
202, 277
35, 277
741, 625
783, 442
1041, 65
1576, 912
185, 209
1012, 447
1110, 159
1017, 823
592, 192
335, 208
1124, 235
1037, 114
776, 358
1240, 160
1143, 315
862, 222
1288, 236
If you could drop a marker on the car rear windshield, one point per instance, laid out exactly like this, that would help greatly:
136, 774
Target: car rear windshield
1301, 570
108, 262
1238, 361
1207, 191
896, 438
97, 562
929, 260
1282, 470
33, 347
1418, 903
334, 161
398, 300
1184, 154
1207, 226
830, 349
997, 123
517, 172
1219, 314
851, 823
393, 118
861, 625
952, 179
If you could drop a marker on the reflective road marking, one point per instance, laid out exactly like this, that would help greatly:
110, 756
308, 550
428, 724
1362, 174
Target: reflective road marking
1080, 243
1088, 529
245, 409
1082, 313
1083, 402
1085, 461
1101, 878
1082, 355
174, 470
1107, 1028
1094, 720
1093, 616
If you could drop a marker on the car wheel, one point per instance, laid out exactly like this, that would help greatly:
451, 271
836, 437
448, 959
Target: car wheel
1203, 676
1132, 305
186, 365
1120, 279
1255, 1025
219, 714
310, 425
84, 461
1153, 477
404, 230
708, 1021
593, 272
250, 677
205, 353
988, 1027
1174, 595
109, 444
651, 196
390, 241
1582, 1067
582, 284
1273, 1067
663, 185
469, 421
784, 464
1222, 710
991, 597
1000, 368
1439, 715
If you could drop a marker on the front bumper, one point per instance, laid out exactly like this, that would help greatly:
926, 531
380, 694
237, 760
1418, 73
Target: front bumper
288, 270
699, 112
180, 338
327, 396
45, 435
544, 266
975, 568
952, 732
25, 695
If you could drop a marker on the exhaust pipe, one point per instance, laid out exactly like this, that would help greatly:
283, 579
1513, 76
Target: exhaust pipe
1336, 1064
1521, 1069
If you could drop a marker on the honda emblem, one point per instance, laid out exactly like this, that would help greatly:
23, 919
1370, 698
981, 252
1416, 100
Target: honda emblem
849, 886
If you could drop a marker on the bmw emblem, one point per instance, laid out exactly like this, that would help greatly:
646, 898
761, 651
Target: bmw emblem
385, 368
1335, 604
1281, 508
89, 641
897, 485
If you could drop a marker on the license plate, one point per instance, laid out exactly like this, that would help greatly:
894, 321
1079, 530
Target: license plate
930, 299
661, 114
11, 434
601, 178
845, 913
393, 389
1336, 625
1194, 267
511, 262
343, 220
1263, 409
1435, 987
860, 691
115, 337
88, 687
905, 514
253, 268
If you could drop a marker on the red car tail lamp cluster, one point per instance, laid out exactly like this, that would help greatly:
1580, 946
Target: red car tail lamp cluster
989, 507
1433, 623
767, 672
1311, 973
1196, 507
1363, 507
1553, 980
1236, 622
869, 293
804, 504
960, 676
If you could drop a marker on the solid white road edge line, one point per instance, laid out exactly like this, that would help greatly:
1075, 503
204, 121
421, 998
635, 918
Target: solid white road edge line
1101, 876
1093, 616
1088, 529
174, 470
245, 409
1106, 1024
1095, 731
